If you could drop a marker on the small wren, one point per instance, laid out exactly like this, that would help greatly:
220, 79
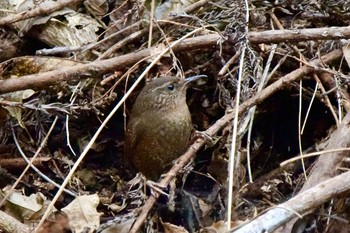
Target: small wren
159, 126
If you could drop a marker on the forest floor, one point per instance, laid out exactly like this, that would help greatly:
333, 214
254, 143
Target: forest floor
274, 109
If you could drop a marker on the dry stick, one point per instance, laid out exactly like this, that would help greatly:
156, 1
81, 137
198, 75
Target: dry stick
20, 163
150, 34
301, 203
225, 69
299, 124
195, 6
122, 43
234, 156
284, 163
327, 100
221, 123
127, 30
277, 36
45, 7
11, 224
231, 165
45, 79
302, 127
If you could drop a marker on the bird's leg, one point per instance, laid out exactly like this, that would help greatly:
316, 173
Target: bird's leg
209, 141
137, 180
155, 186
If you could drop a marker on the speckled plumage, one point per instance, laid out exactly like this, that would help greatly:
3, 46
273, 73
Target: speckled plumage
159, 127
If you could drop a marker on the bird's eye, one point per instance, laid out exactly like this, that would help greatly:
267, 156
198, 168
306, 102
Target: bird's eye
170, 87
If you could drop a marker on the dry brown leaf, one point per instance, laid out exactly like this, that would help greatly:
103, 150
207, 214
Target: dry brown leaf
75, 30
217, 227
25, 25
17, 96
205, 208
26, 208
64, 27
82, 213
171, 228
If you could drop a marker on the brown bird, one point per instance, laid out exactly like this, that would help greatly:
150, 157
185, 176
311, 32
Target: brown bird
159, 127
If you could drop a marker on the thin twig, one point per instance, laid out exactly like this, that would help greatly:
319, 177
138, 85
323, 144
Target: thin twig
150, 33
231, 166
309, 108
299, 126
284, 163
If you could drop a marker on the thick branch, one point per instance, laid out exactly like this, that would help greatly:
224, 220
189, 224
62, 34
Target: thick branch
311, 197
277, 36
46, 7
300, 204
10, 224
101, 67
43, 80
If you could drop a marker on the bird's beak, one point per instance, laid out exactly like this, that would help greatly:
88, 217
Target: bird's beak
193, 79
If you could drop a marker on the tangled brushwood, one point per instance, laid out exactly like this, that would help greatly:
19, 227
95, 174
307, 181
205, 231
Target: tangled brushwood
269, 145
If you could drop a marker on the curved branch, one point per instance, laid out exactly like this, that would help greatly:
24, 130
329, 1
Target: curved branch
92, 69
44, 8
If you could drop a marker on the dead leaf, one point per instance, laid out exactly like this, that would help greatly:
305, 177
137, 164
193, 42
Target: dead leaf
205, 208
216, 227
25, 25
171, 228
17, 96
26, 208
82, 213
